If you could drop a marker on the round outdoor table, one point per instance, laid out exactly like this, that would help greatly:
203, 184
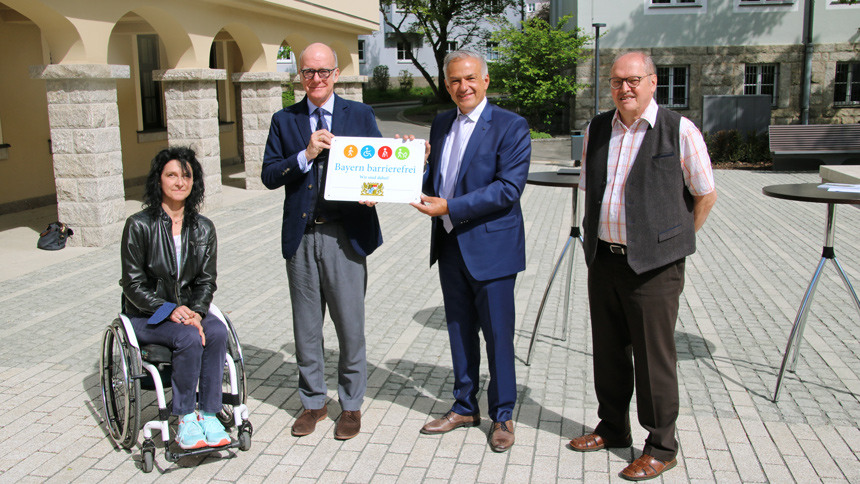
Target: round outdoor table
809, 192
565, 178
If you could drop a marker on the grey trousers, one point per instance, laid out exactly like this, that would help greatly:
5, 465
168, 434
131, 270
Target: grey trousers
326, 271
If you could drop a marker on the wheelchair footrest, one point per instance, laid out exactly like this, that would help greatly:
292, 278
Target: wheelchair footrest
175, 456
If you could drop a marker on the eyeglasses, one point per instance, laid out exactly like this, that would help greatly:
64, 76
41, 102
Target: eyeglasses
324, 74
632, 81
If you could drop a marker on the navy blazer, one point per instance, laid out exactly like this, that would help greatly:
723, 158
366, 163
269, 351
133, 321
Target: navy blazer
289, 134
485, 209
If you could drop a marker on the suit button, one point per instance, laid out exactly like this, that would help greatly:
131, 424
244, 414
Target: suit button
310, 186
304, 215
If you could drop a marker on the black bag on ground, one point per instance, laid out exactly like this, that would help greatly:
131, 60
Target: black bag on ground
54, 237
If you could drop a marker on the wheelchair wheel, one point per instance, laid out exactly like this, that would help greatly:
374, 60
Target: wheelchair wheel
234, 352
120, 392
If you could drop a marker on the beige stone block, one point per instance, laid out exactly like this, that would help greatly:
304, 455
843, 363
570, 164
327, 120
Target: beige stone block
189, 75
256, 137
82, 91
211, 165
62, 141
96, 236
91, 214
67, 189
199, 90
249, 122
201, 128
100, 189
102, 140
82, 115
253, 154
87, 165
173, 92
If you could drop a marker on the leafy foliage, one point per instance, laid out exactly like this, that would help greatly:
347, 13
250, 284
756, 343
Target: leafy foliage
534, 65
405, 80
730, 146
380, 78
437, 23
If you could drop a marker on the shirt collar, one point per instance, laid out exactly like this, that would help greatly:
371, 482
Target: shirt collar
328, 106
475, 115
650, 115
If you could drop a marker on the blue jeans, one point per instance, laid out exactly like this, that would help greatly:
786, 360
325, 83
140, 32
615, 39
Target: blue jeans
193, 363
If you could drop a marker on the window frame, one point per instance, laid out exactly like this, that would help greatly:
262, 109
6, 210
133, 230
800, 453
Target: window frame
851, 84
672, 85
491, 51
405, 52
674, 3
758, 85
362, 54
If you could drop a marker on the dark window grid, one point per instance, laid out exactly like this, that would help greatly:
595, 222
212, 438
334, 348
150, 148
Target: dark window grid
761, 79
673, 87
847, 83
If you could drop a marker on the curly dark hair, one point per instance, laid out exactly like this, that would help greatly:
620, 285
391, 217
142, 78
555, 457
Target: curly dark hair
152, 194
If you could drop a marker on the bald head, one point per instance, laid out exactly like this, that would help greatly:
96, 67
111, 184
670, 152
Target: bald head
319, 57
318, 49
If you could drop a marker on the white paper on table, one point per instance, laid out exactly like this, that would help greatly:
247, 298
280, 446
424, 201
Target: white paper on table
841, 187
374, 169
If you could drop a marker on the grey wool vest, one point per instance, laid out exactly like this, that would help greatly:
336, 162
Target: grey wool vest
660, 227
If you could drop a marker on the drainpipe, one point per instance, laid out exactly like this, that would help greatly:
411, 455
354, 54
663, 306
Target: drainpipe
806, 86
597, 66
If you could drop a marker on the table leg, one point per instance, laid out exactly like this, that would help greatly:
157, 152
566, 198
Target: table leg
574, 234
545, 294
796, 335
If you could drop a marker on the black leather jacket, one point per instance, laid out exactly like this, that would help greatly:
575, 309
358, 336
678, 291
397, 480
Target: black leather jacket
149, 264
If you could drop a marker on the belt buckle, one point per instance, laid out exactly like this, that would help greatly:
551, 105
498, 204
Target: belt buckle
617, 249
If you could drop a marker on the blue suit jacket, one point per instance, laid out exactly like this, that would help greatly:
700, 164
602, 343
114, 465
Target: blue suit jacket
289, 134
485, 209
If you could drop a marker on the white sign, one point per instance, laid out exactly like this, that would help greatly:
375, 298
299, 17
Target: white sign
374, 169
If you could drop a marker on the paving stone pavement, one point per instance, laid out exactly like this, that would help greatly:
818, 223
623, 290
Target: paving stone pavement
755, 258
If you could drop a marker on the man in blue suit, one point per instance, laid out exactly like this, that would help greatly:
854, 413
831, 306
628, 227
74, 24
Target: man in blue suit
472, 187
325, 243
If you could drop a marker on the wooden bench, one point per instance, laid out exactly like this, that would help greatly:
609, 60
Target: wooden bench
806, 146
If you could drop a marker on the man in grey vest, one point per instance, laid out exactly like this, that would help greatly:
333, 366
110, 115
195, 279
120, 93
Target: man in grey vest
648, 188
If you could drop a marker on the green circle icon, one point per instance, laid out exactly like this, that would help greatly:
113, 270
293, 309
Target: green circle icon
402, 153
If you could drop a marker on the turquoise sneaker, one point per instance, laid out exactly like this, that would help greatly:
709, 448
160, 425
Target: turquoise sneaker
216, 436
190, 435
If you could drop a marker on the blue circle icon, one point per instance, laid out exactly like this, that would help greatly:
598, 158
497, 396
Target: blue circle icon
367, 152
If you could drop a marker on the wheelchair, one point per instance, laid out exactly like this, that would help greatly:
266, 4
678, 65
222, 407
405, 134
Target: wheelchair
126, 368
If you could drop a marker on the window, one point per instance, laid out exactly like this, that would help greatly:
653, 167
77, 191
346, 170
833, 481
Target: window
361, 57
452, 46
674, 2
404, 51
847, 83
672, 86
285, 54
762, 79
496, 7
767, 2
530, 7
150, 91
492, 51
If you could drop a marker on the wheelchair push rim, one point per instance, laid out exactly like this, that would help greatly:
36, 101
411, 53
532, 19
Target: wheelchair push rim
120, 391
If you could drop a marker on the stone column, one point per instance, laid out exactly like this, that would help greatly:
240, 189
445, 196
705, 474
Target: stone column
347, 87
191, 103
261, 98
86, 149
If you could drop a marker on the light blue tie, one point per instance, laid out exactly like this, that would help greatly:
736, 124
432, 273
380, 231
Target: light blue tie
449, 184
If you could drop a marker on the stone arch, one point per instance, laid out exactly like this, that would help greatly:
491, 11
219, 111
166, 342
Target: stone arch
344, 56
177, 43
63, 39
251, 48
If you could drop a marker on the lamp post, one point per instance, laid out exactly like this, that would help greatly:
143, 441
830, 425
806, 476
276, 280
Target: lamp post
597, 66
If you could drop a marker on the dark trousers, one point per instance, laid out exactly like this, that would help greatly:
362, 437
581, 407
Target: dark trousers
193, 363
470, 306
633, 329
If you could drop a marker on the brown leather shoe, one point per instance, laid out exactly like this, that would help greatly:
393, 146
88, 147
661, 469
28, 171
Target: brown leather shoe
349, 425
646, 467
307, 421
592, 442
451, 421
501, 436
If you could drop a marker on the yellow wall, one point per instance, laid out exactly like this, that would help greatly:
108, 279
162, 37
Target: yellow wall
28, 172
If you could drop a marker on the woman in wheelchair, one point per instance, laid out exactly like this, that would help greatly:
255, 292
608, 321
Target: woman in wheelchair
168, 279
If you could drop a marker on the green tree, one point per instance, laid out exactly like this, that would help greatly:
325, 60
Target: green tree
438, 23
536, 66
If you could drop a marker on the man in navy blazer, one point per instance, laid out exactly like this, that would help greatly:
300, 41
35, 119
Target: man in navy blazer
475, 177
325, 243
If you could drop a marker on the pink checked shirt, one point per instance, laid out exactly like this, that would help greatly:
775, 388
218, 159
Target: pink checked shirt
624, 145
